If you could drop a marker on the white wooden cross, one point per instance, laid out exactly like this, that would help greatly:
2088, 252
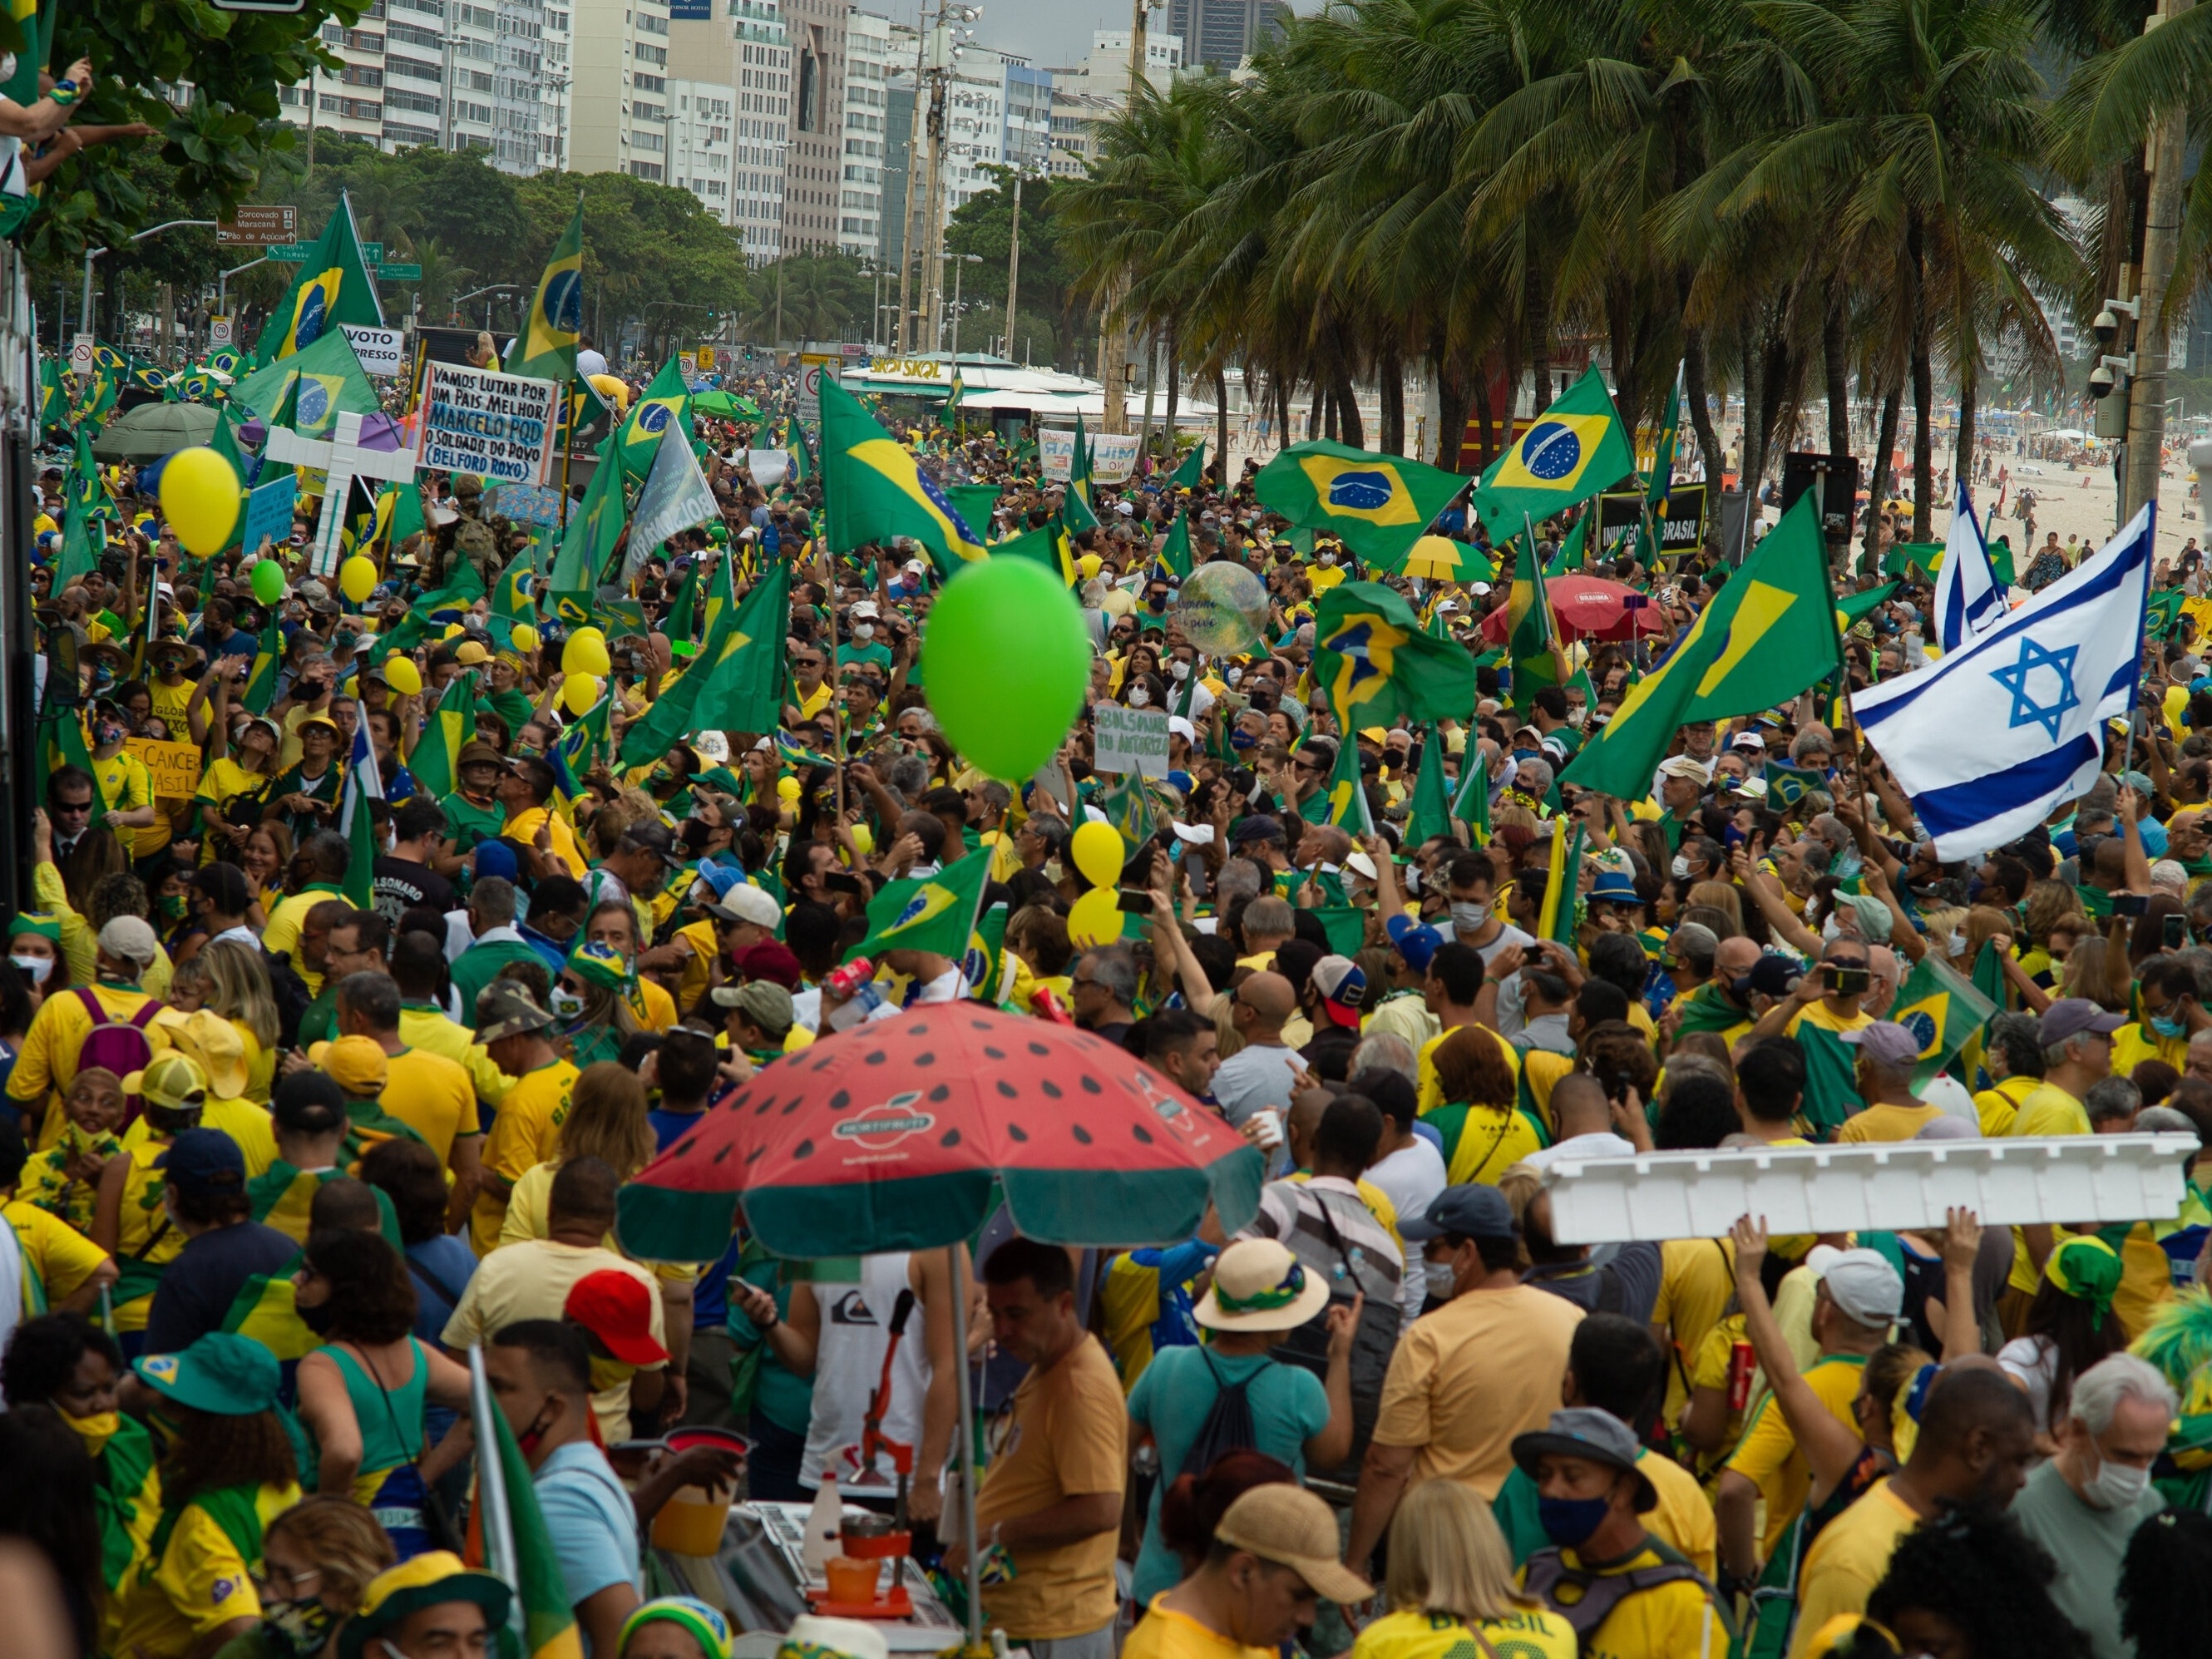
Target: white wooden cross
343, 457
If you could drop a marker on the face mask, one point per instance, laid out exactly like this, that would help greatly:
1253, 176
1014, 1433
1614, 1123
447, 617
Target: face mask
1469, 917
299, 1629
1847, 865
2168, 1028
34, 968
173, 906
95, 1430
1577, 717
1179, 671
319, 1318
109, 734
1236, 676
1325, 559
1139, 696
102, 676
2115, 1485
865, 631
1442, 1284
1829, 930
1241, 738
566, 1004
1568, 1521
1520, 756
1680, 867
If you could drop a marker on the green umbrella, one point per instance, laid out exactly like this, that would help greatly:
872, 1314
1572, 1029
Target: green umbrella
725, 405
153, 430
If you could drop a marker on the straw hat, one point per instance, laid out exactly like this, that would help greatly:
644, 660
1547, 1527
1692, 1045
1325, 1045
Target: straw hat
1259, 1285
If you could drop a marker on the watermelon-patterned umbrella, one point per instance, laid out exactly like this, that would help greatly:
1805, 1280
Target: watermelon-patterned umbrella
906, 1133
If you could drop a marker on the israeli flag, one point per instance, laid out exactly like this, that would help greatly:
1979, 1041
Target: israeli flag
1990, 739
1969, 600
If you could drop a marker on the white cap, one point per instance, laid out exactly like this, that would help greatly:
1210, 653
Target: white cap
1126, 510
1180, 727
1198, 835
1749, 740
1360, 865
1478, 587
865, 608
917, 567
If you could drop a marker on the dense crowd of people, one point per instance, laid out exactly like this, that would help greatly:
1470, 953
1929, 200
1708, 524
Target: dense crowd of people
280, 1160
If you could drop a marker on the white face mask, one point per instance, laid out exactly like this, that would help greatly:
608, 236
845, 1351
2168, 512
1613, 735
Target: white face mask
566, 1004
1140, 696
865, 631
1235, 675
1577, 717
1440, 1279
2115, 1485
1469, 917
34, 968
1179, 671
1680, 867
1325, 558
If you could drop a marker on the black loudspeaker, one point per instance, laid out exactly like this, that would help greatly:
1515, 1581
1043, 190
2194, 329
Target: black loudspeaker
1839, 500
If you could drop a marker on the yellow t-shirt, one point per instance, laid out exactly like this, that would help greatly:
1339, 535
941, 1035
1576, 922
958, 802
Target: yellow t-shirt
524, 1132
698, 966
1466, 1378
1708, 1368
429, 1030
1532, 1633
813, 702
1432, 1092
522, 829
1066, 1437
1768, 1456
126, 785
199, 1584
249, 1125
169, 704
654, 1008
1684, 1514
1491, 1142
45, 1065
1673, 1621
281, 937
432, 1096
1697, 1278
2050, 1110
2134, 1043
57, 1258
1999, 1106
532, 1281
1816, 1014
1848, 1559
143, 1231
1886, 1122
1163, 1633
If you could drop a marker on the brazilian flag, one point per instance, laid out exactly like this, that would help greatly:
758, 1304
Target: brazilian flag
1531, 630
1045, 545
927, 913
1378, 504
547, 347
333, 287
664, 406
1378, 666
1575, 448
1853, 607
1346, 797
1786, 784
875, 491
1943, 1010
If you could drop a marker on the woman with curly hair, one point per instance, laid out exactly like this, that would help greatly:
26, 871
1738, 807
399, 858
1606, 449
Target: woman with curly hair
2165, 1585
1970, 1584
228, 1472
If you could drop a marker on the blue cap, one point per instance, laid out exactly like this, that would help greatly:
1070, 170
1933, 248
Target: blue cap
495, 858
1417, 941
1470, 1210
203, 1162
1614, 888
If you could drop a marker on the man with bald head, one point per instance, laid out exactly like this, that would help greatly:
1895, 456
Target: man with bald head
1262, 1074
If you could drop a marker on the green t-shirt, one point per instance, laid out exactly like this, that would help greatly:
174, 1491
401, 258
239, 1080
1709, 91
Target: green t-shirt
512, 705
869, 653
468, 824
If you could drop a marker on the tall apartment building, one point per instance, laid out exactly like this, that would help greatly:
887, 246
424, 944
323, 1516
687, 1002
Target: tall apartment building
414, 72
814, 159
872, 46
900, 153
761, 148
699, 147
619, 89
1220, 34
1085, 97
349, 100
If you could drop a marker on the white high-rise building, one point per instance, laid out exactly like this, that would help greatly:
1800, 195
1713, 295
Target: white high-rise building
762, 139
869, 62
700, 148
1085, 97
617, 65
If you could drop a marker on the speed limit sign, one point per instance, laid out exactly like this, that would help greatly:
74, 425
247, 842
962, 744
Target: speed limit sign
218, 331
812, 366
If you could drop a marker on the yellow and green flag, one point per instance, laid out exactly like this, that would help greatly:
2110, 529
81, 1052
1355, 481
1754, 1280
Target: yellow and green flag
1556, 920
1576, 449
435, 762
874, 490
1378, 504
927, 913
333, 287
745, 685
508, 1534
1530, 629
1379, 667
1943, 1010
664, 406
546, 350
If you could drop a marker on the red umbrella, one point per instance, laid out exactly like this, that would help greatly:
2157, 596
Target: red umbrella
904, 1134
1587, 608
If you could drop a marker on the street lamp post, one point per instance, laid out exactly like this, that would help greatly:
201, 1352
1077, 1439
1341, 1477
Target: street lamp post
958, 260
223, 282
92, 253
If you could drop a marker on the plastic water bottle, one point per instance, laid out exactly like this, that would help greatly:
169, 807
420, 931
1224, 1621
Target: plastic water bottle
825, 1524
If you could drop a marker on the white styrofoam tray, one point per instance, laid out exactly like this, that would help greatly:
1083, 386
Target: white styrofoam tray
1883, 1186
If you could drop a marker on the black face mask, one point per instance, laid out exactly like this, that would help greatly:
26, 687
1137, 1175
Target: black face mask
319, 1318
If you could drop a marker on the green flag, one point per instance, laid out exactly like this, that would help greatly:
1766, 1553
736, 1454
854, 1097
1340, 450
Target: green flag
1662, 449
1573, 552
308, 388
676, 625
1046, 545
1079, 464
1576, 449
1471, 806
1529, 628
82, 487
594, 530
435, 762
333, 287
1853, 607
79, 554
65, 747
546, 349
1379, 668
1192, 472
669, 718
663, 406
1768, 634
1346, 795
745, 685
1943, 1010
1555, 920
1832, 1093
927, 913
358, 825
974, 503
1786, 784
517, 1544
875, 491
1429, 814
261, 678
1379, 504
1174, 552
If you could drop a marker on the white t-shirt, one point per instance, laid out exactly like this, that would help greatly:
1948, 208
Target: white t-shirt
2032, 1362
590, 361
1603, 1143
1411, 1176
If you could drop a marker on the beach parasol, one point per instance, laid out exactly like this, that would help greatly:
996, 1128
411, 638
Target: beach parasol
1586, 608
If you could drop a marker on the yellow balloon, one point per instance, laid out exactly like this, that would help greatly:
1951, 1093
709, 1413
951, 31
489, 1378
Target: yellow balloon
357, 578
579, 692
1096, 918
1099, 854
586, 653
401, 676
525, 637
199, 498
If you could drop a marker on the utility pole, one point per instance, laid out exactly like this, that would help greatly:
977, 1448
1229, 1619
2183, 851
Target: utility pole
906, 224
933, 235
2163, 156
1114, 342
1014, 259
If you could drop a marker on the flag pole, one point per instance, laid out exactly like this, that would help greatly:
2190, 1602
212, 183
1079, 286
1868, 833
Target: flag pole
491, 1486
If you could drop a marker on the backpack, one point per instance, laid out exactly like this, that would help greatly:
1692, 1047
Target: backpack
1228, 1426
116, 1045
1597, 1594
1372, 1343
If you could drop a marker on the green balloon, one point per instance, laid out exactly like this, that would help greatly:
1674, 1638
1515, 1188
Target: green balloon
1006, 660
268, 582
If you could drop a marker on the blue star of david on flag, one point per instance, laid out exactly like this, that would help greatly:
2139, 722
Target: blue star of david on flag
2014, 677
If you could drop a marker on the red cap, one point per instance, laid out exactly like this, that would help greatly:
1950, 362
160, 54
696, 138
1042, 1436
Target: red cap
619, 1310
770, 961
